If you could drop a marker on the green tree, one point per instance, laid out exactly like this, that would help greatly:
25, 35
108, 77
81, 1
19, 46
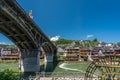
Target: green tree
10, 46
63, 41
94, 42
63, 47
118, 44
77, 44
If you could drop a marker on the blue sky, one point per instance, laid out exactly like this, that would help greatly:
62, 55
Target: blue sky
75, 19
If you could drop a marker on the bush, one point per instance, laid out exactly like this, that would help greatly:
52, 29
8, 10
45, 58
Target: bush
60, 57
9, 75
85, 58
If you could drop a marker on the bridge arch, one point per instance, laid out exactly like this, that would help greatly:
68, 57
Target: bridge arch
16, 25
48, 50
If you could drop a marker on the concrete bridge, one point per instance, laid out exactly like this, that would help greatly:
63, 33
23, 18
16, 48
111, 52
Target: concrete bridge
22, 31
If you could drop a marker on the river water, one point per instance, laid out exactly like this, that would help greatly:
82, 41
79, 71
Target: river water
48, 67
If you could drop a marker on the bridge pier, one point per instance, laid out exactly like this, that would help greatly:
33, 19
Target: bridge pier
48, 57
30, 60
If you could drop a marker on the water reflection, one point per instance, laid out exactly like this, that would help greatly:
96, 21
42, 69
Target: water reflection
26, 75
47, 67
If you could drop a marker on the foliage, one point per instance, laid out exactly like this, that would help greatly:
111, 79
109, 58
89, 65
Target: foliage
13, 65
7, 46
85, 58
77, 44
8, 75
85, 43
60, 57
10, 46
94, 42
8, 61
118, 44
63, 41
63, 47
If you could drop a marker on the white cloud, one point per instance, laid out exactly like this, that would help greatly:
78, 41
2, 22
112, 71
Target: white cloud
55, 38
3, 43
89, 36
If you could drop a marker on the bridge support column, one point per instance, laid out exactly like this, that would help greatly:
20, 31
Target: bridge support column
30, 60
48, 57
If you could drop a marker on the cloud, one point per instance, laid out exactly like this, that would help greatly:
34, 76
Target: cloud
3, 43
89, 36
55, 38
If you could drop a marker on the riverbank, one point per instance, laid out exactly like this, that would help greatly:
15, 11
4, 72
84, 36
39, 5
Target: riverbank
60, 67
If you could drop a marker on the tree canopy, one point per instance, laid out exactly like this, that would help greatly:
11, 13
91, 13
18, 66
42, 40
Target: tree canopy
63, 41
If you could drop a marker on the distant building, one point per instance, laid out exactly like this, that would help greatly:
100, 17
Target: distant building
109, 44
72, 53
108, 50
96, 50
1, 50
60, 50
84, 52
80, 53
117, 50
10, 54
6, 51
101, 44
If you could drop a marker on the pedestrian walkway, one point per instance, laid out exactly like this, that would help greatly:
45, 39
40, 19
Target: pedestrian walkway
60, 78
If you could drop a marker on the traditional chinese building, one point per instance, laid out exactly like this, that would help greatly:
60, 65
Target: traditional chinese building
10, 54
84, 52
1, 49
72, 53
117, 51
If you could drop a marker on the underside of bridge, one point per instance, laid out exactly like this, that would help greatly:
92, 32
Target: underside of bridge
23, 32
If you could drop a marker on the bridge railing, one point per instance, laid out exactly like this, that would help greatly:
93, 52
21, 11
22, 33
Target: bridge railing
60, 76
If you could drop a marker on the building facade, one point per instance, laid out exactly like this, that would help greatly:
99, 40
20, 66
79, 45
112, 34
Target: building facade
10, 54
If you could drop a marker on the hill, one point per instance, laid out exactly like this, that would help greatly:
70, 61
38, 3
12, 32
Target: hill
76, 43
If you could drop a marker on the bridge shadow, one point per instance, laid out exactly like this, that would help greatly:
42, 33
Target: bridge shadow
26, 75
49, 67
45, 68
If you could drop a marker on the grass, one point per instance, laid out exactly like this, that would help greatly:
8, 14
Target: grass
78, 66
60, 72
13, 65
81, 67
10, 64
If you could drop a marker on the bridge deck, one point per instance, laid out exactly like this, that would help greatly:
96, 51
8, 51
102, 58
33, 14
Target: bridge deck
19, 27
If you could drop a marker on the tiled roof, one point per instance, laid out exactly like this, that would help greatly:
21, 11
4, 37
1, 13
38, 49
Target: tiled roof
60, 49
